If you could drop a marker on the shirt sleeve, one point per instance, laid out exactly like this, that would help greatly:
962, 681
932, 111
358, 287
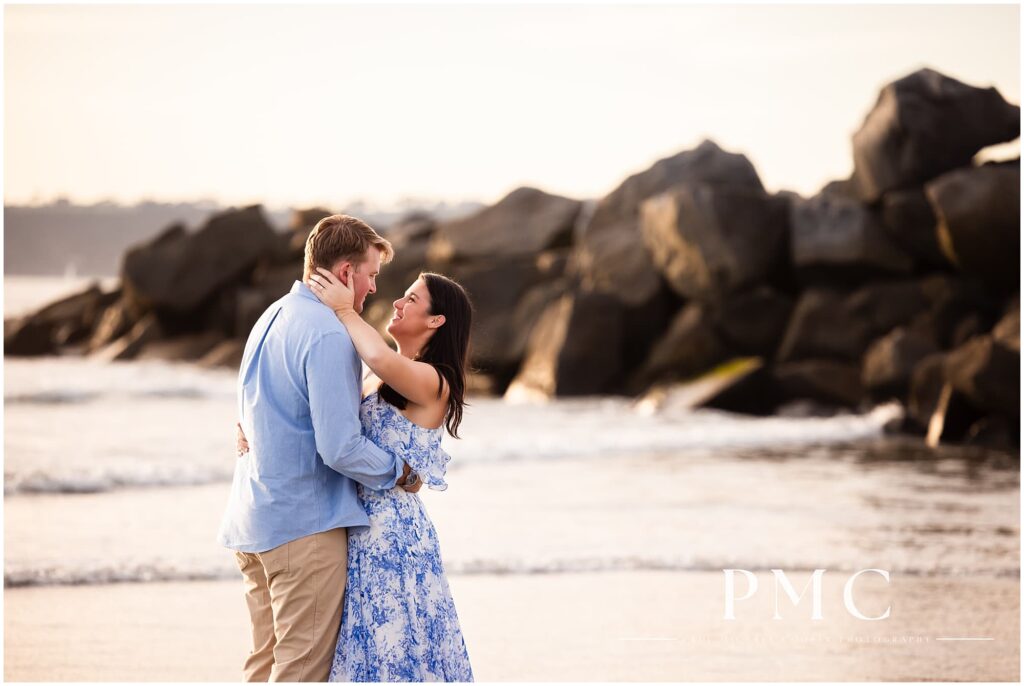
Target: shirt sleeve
332, 377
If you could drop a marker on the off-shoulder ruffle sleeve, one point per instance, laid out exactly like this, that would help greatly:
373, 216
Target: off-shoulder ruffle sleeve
430, 462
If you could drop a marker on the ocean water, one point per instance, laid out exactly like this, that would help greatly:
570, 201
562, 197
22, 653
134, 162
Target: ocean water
120, 473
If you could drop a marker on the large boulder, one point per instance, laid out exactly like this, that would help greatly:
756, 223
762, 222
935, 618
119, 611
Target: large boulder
978, 210
988, 373
835, 325
1007, 330
753, 389
689, 346
187, 348
927, 380
822, 326
226, 354
115, 322
145, 331
830, 382
833, 236
410, 227
575, 348
178, 271
953, 417
504, 311
753, 321
883, 305
67, 321
925, 124
301, 223
710, 241
523, 223
957, 308
909, 220
890, 361
612, 256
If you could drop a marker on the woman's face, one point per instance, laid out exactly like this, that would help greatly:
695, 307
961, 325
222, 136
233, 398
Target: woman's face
412, 311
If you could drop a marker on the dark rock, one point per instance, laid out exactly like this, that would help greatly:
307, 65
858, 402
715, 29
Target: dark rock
177, 272
523, 223
925, 390
827, 381
709, 241
988, 373
967, 328
753, 322
822, 326
299, 226
903, 425
413, 226
115, 322
1007, 330
225, 354
978, 210
910, 222
144, 332
756, 392
303, 221
952, 300
68, 320
25, 337
523, 319
994, 433
689, 347
188, 348
953, 417
575, 349
883, 305
890, 361
923, 125
612, 257
834, 237
496, 289
480, 385
844, 188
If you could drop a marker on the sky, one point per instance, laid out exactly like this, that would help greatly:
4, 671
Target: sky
327, 104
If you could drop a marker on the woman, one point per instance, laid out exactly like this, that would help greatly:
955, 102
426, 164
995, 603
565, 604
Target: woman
399, 622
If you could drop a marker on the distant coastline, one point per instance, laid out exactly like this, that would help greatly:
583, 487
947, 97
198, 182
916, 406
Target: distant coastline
63, 238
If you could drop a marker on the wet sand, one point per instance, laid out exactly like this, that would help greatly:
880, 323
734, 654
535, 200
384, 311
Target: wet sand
615, 626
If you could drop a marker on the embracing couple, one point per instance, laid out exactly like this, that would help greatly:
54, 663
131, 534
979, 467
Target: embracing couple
342, 569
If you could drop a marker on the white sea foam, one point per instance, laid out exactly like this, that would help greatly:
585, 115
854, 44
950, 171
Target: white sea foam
162, 570
79, 426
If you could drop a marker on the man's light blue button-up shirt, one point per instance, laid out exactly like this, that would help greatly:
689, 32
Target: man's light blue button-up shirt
298, 403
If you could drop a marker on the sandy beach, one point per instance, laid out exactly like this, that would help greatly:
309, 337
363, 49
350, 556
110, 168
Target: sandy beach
633, 626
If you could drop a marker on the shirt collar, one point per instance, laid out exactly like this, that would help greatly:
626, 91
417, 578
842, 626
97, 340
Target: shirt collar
303, 290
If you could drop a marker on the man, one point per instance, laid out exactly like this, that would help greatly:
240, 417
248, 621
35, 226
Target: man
294, 493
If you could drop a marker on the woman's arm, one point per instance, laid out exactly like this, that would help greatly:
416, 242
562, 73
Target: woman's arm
419, 382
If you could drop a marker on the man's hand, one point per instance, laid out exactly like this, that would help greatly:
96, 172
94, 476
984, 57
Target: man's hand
241, 445
404, 481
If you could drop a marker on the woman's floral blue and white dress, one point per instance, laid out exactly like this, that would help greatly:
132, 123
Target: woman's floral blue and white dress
399, 622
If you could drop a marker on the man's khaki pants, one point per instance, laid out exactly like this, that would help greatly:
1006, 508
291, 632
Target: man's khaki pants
295, 593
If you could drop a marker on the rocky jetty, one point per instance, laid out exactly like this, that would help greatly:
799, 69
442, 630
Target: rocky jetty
900, 282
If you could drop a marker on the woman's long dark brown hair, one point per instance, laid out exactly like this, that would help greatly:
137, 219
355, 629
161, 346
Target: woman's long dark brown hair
447, 351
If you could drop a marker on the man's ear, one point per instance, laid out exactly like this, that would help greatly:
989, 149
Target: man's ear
342, 270
436, 322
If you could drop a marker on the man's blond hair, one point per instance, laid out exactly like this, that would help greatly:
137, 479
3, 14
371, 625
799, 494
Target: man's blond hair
341, 237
